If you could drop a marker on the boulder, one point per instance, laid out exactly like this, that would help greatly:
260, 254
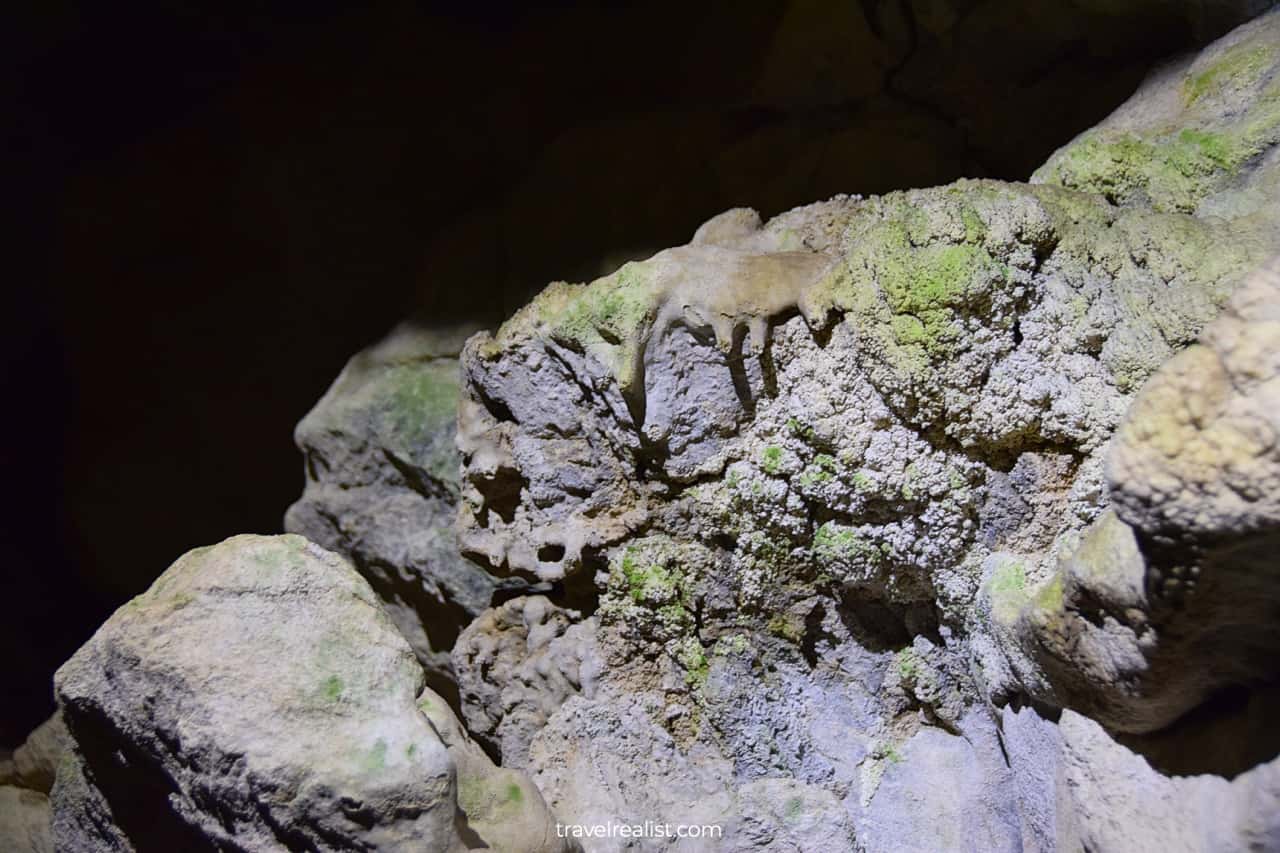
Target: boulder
257, 696
382, 487
36, 761
25, 821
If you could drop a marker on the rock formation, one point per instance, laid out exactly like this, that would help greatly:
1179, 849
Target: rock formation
382, 487
939, 520
847, 480
26, 778
259, 697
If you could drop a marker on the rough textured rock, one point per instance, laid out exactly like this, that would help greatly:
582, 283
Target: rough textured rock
516, 665
26, 778
774, 106
916, 521
1108, 798
258, 697
382, 487
1174, 597
1177, 593
829, 473
1193, 138
36, 762
1198, 453
504, 811
25, 821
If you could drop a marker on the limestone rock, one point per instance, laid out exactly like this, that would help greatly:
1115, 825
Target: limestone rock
1107, 798
1199, 136
382, 487
36, 761
915, 521
256, 697
839, 480
1174, 595
516, 664
25, 821
1200, 451
504, 812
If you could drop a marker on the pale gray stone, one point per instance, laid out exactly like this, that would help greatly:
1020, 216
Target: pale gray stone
258, 697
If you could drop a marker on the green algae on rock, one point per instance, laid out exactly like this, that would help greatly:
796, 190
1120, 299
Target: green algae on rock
1204, 121
382, 486
202, 717
834, 520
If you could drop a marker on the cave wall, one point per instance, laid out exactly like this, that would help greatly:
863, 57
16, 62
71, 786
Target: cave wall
214, 209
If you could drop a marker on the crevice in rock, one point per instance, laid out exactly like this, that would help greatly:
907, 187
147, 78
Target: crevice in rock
883, 626
813, 632
419, 480
134, 785
650, 459
1004, 749
314, 461
580, 590
1229, 733
441, 617
1019, 700
500, 493
512, 587
495, 407
930, 717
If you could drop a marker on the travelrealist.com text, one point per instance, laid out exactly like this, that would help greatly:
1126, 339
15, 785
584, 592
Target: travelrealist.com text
644, 829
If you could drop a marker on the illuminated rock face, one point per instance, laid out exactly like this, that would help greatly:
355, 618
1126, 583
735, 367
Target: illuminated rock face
850, 482
258, 697
939, 520
382, 487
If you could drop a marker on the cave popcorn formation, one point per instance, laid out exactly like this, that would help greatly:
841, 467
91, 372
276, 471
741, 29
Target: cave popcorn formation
939, 520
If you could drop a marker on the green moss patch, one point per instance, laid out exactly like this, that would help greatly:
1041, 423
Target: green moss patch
1173, 170
1007, 589
331, 688
771, 459
650, 589
610, 316
833, 542
1049, 597
376, 758
787, 626
649, 582
612, 309
689, 653
421, 397
908, 663
1241, 66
